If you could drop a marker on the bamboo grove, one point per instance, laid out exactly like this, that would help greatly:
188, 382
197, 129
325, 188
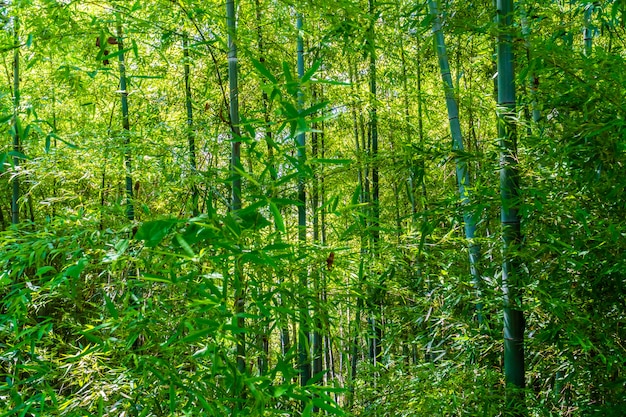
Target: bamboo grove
339, 207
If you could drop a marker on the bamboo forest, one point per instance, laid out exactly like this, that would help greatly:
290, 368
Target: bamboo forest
315, 208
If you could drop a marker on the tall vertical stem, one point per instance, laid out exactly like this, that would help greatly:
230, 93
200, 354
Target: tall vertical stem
420, 134
533, 80
317, 275
376, 330
354, 343
374, 127
284, 333
462, 172
130, 210
15, 211
235, 167
304, 339
588, 30
190, 132
264, 97
235, 161
509, 194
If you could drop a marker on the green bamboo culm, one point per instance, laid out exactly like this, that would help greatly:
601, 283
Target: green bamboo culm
509, 194
15, 211
462, 172
588, 30
235, 161
374, 126
376, 330
130, 210
236, 169
190, 131
304, 341
533, 80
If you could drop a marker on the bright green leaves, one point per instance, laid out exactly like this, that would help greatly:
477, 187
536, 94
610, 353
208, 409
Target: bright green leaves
311, 71
262, 69
183, 244
283, 89
221, 231
153, 232
279, 222
74, 271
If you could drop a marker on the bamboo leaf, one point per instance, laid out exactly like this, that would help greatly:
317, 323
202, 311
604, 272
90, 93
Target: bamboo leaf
320, 403
110, 306
356, 195
114, 54
262, 69
18, 154
44, 270
307, 75
313, 109
153, 232
278, 218
287, 72
135, 49
183, 244
154, 278
330, 161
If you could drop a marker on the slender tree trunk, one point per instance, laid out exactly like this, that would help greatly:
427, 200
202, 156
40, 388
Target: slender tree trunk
323, 184
408, 130
17, 148
588, 30
304, 341
328, 341
318, 275
105, 160
235, 167
533, 80
284, 334
420, 133
462, 172
130, 210
509, 193
354, 343
54, 129
285, 341
190, 130
404, 339
264, 98
376, 329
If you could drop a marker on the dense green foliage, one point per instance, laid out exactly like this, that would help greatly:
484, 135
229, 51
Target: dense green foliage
192, 250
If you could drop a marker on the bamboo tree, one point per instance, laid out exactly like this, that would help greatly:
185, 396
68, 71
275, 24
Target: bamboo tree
130, 210
533, 80
48, 144
235, 167
420, 134
190, 130
407, 117
264, 97
588, 30
285, 340
15, 211
361, 178
509, 194
264, 338
462, 172
376, 329
317, 275
325, 325
304, 341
